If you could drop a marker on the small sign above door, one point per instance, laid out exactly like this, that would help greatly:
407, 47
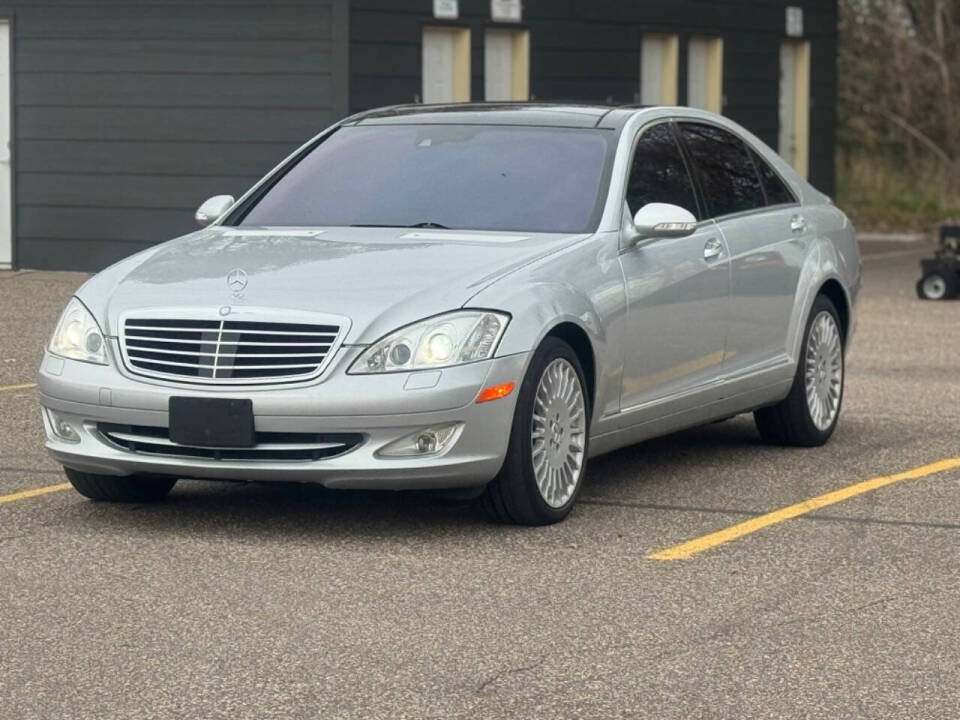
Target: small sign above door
446, 9
794, 22
506, 10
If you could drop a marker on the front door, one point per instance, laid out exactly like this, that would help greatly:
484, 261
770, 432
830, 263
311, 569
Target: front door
6, 198
677, 291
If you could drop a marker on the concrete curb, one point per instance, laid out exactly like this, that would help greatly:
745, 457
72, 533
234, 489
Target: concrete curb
892, 237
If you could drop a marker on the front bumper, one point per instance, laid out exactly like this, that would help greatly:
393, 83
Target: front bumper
381, 408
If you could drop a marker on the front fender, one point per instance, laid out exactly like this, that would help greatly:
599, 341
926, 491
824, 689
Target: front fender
539, 309
582, 286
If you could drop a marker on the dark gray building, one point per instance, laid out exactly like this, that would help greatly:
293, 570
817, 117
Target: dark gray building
123, 115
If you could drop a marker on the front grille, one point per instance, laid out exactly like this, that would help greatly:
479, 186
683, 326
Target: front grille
226, 351
302, 447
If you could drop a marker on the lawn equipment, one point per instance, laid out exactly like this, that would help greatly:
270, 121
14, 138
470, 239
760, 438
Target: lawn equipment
941, 273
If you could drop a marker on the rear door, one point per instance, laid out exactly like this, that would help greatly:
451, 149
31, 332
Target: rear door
767, 239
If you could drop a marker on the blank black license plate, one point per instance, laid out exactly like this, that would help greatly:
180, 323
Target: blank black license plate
211, 422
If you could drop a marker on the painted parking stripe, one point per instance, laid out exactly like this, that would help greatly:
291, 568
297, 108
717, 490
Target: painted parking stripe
11, 388
699, 545
36, 492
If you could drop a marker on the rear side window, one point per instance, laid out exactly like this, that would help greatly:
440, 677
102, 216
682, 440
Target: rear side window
658, 173
777, 191
727, 175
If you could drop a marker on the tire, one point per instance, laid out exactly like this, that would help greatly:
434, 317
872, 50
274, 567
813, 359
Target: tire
107, 488
937, 286
791, 422
514, 496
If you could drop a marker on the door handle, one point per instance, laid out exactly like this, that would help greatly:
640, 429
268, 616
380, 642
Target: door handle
798, 224
712, 249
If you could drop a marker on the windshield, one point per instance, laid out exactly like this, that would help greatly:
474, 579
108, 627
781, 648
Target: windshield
466, 177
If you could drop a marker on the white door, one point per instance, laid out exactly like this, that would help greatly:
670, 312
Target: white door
788, 102
6, 245
658, 69
698, 70
498, 66
793, 142
652, 53
705, 73
438, 55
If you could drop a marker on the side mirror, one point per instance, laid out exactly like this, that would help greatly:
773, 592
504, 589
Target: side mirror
656, 221
213, 209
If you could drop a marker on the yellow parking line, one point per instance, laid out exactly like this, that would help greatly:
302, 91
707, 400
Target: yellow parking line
33, 493
698, 545
10, 388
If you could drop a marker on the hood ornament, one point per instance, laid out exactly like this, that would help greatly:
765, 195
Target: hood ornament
237, 281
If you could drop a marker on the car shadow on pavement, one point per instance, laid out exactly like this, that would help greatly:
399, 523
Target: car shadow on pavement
294, 509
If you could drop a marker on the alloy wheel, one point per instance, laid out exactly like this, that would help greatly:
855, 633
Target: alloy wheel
558, 433
823, 375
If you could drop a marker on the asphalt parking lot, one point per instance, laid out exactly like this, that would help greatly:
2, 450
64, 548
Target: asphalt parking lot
267, 601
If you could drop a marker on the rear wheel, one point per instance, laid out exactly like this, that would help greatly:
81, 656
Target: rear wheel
547, 455
937, 286
107, 488
808, 415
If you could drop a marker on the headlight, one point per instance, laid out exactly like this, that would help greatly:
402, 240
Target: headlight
452, 339
78, 336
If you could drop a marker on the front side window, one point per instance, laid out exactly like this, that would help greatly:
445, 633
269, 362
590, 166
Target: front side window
727, 175
467, 177
658, 173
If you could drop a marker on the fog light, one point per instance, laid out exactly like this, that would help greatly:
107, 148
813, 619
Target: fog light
61, 429
429, 441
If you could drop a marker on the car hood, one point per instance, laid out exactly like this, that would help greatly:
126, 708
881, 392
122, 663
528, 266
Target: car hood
378, 278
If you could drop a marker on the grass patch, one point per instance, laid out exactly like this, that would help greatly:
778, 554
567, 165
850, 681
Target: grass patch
880, 194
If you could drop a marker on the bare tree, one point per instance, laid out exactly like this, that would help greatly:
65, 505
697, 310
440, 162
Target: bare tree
899, 72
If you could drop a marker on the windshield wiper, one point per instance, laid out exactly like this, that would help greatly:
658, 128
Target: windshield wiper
433, 225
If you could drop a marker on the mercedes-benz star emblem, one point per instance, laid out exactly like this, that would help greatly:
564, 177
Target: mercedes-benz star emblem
237, 281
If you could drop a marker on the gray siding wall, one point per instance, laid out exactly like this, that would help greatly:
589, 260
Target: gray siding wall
129, 113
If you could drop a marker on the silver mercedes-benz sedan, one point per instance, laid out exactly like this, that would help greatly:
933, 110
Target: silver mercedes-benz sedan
471, 297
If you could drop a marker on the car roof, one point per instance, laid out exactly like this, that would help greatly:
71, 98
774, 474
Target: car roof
531, 114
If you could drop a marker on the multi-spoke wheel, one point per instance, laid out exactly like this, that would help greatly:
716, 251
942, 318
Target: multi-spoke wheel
823, 376
547, 455
558, 433
808, 415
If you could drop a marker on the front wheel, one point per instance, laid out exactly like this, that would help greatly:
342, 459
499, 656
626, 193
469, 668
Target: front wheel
547, 455
108, 488
808, 415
